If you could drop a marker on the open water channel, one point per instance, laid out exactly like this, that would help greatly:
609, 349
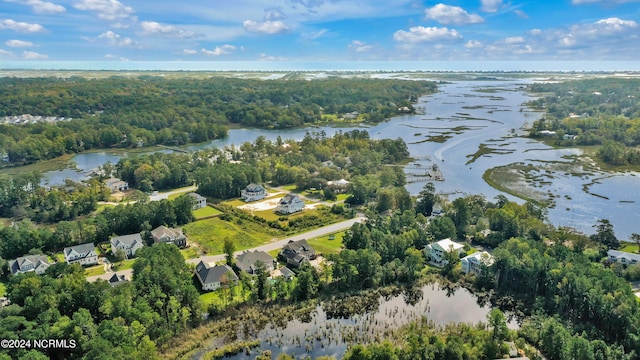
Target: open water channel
467, 115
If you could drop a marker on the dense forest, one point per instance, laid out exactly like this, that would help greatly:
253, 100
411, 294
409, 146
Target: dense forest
592, 112
143, 111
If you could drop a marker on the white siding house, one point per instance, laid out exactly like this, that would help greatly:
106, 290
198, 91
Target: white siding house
127, 243
290, 204
476, 262
435, 252
253, 192
623, 257
199, 201
84, 254
35, 263
212, 278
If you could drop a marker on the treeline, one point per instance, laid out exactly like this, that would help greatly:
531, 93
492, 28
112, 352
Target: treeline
593, 112
123, 322
25, 237
145, 110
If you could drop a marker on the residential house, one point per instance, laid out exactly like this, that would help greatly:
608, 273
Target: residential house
199, 201
476, 262
211, 278
290, 204
163, 234
35, 263
253, 192
84, 254
115, 184
248, 261
117, 279
127, 243
295, 253
287, 273
435, 252
338, 185
623, 257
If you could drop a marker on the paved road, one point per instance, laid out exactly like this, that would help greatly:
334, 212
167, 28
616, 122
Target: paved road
165, 195
277, 244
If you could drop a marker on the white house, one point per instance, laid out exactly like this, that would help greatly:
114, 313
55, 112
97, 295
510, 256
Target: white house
476, 262
435, 252
253, 192
623, 257
211, 278
127, 243
115, 184
290, 204
35, 263
84, 254
199, 201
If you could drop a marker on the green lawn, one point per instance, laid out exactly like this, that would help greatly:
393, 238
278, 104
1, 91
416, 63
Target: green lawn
325, 246
628, 247
124, 265
3, 289
60, 257
181, 191
94, 270
190, 253
101, 207
291, 187
211, 233
5, 221
216, 296
205, 212
234, 202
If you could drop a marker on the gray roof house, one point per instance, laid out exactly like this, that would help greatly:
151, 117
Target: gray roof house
289, 204
211, 278
247, 261
295, 253
253, 192
163, 234
128, 243
84, 254
199, 201
116, 280
35, 263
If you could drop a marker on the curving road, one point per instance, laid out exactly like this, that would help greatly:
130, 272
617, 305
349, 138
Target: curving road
277, 244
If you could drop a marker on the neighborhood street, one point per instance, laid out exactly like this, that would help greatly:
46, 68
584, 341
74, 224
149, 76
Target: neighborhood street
277, 244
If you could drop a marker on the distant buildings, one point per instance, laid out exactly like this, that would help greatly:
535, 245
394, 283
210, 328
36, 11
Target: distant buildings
130, 244
435, 252
253, 192
296, 253
165, 235
115, 184
249, 260
290, 204
212, 278
476, 262
623, 257
84, 254
35, 263
199, 201
25, 119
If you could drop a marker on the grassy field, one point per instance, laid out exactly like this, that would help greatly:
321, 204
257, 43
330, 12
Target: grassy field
324, 245
101, 207
180, 191
60, 257
94, 270
211, 233
216, 296
190, 253
629, 247
124, 265
5, 222
205, 212
3, 289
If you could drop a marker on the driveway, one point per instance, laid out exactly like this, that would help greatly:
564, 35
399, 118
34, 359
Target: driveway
165, 195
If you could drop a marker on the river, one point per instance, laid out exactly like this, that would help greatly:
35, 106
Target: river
466, 115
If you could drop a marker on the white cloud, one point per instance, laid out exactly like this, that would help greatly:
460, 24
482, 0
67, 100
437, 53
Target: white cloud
521, 14
419, 34
360, 46
274, 14
580, 2
219, 50
265, 57
535, 32
115, 39
32, 55
120, 26
446, 14
491, 5
5, 53
613, 25
41, 7
21, 27
314, 34
189, 51
18, 43
514, 40
265, 27
106, 9
473, 44
155, 28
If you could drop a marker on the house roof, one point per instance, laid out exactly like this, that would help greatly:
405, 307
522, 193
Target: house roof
247, 260
286, 272
127, 240
162, 230
198, 197
117, 280
480, 257
300, 247
214, 274
37, 260
80, 249
254, 188
622, 254
447, 244
289, 198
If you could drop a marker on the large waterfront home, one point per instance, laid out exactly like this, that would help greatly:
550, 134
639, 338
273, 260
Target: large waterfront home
253, 192
290, 204
296, 253
476, 263
115, 184
435, 252
84, 254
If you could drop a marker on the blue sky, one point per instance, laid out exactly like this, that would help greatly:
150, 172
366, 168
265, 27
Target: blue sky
319, 30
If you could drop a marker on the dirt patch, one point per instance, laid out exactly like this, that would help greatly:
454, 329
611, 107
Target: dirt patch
267, 204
